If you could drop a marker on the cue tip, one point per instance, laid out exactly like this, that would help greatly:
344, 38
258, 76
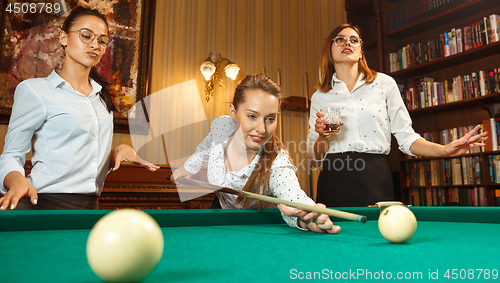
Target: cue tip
362, 219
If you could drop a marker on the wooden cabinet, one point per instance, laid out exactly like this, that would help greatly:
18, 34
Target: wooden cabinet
132, 186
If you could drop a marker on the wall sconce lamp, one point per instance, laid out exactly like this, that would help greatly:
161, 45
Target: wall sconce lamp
209, 70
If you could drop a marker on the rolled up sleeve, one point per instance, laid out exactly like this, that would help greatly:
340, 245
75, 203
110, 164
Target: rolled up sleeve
400, 121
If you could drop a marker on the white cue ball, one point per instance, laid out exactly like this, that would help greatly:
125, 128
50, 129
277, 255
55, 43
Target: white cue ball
397, 224
124, 246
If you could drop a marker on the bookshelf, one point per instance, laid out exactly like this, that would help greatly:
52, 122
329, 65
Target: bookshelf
429, 181
484, 51
475, 187
447, 14
366, 15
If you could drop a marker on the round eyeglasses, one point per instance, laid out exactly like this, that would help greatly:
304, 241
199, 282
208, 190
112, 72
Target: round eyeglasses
341, 40
87, 36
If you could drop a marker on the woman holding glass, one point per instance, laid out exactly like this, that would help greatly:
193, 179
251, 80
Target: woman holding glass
355, 171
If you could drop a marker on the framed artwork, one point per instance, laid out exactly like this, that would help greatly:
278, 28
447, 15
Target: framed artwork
30, 48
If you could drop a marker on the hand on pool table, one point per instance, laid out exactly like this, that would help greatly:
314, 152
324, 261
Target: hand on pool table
316, 222
124, 152
17, 187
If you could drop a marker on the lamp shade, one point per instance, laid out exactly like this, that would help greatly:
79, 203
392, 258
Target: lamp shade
232, 70
207, 68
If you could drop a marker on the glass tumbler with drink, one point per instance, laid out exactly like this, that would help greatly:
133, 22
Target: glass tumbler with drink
332, 117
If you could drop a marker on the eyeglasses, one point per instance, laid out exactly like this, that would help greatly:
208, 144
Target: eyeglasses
341, 40
87, 36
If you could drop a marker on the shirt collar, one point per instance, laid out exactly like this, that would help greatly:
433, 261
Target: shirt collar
359, 82
57, 81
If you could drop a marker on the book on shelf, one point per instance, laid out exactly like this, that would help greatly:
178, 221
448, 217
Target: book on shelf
463, 196
492, 126
477, 36
488, 31
494, 22
425, 92
447, 43
470, 37
494, 168
483, 28
459, 40
453, 42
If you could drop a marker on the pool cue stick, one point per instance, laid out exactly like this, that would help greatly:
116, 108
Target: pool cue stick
280, 113
307, 207
309, 170
307, 95
164, 144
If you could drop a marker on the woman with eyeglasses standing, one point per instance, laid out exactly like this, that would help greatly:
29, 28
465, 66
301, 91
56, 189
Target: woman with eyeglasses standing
355, 171
67, 118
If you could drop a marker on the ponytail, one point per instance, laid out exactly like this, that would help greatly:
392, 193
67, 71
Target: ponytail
262, 172
105, 93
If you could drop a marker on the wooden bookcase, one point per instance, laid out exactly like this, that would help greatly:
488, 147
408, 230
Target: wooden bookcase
366, 15
446, 116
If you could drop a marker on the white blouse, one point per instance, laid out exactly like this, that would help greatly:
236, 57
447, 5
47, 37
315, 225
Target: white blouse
283, 182
370, 113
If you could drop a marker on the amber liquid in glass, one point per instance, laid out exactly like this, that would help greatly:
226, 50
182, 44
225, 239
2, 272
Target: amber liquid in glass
331, 128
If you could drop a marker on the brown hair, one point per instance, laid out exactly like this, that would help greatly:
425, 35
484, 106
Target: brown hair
326, 67
94, 74
258, 182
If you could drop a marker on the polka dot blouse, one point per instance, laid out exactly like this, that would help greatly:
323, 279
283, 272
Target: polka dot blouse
371, 112
283, 182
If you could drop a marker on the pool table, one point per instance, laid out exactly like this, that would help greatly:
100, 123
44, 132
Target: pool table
204, 245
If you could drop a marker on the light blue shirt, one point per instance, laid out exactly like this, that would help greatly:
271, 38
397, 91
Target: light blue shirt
71, 132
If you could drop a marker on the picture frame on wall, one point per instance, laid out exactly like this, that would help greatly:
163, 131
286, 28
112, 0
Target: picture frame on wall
30, 48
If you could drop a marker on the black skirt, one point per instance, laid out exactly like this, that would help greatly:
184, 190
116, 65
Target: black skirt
354, 179
60, 201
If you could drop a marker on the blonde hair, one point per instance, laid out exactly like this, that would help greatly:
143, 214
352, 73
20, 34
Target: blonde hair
327, 68
258, 182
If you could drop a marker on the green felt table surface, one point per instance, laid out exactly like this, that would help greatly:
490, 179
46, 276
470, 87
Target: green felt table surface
256, 246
